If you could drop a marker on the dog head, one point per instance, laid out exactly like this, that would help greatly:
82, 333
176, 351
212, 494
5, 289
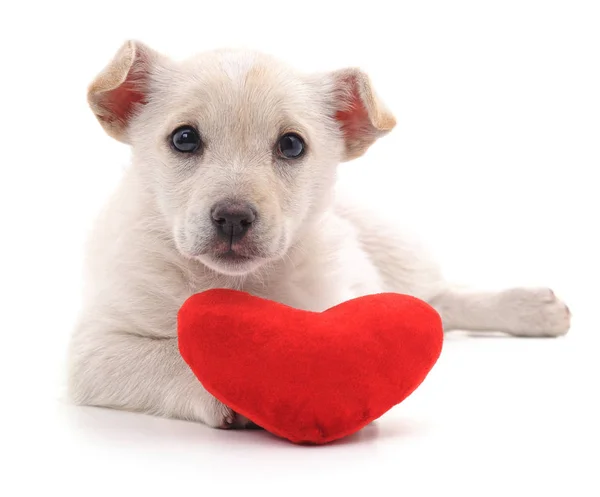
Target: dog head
239, 151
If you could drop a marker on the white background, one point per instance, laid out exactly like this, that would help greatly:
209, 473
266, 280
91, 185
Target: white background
494, 162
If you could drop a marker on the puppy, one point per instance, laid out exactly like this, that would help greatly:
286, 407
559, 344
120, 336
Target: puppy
232, 185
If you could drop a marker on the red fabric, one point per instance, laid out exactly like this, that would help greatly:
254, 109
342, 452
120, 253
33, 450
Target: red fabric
309, 377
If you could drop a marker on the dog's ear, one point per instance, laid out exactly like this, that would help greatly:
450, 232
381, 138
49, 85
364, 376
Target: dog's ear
361, 115
121, 87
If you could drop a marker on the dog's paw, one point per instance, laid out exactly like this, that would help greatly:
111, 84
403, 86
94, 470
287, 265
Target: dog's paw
235, 421
243, 423
217, 415
214, 413
535, 312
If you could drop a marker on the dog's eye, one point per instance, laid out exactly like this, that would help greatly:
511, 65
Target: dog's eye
290, 146
186, 139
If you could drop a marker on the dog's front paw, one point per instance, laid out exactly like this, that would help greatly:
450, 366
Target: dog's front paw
214, 413
217, 415
535, 312
242, 422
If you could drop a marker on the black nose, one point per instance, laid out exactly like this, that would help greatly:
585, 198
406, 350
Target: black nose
232, 220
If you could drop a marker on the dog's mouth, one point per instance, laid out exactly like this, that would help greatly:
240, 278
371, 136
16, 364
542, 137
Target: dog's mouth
238, 251
233, 256
230, 257
234, 259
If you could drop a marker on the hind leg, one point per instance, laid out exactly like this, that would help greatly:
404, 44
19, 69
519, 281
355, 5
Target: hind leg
534, 312
406, 267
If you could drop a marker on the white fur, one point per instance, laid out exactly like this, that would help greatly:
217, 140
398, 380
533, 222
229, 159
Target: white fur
317, 248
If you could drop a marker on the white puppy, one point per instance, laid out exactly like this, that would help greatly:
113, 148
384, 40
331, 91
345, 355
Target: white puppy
232, 185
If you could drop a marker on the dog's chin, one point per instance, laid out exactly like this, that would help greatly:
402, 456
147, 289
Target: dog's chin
232, 263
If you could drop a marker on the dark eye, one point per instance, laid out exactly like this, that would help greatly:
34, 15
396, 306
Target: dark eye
290, 146
186, 139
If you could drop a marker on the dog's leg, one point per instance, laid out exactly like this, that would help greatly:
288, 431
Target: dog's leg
533, 312
131, 372
405, 267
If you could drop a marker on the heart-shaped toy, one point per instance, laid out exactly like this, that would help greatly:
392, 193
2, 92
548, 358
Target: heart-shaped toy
306, 376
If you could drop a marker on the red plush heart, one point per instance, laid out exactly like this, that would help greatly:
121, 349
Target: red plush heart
306, 376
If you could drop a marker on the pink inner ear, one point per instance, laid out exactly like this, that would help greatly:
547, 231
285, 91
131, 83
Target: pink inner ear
122, 100
354, 118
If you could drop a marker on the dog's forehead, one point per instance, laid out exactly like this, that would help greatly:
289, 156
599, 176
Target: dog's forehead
239, 81
238, 65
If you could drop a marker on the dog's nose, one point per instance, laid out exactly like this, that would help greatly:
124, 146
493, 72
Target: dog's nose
232, 220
